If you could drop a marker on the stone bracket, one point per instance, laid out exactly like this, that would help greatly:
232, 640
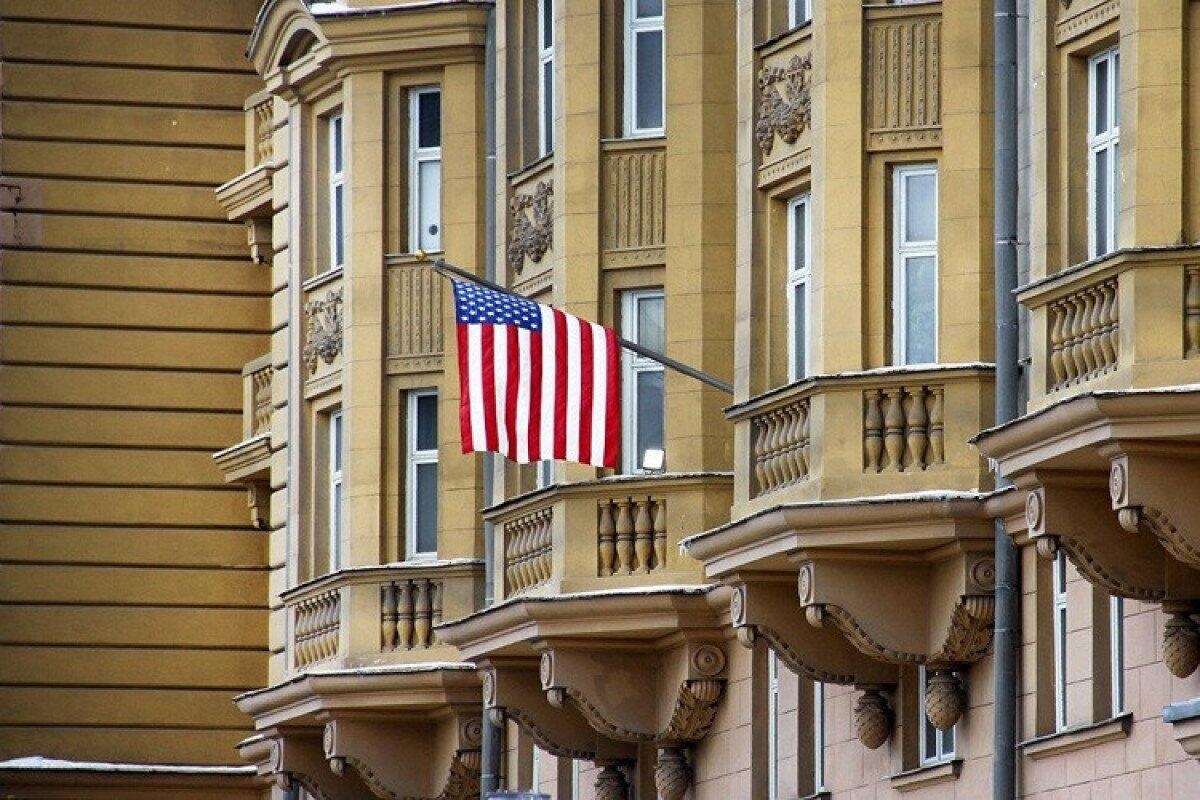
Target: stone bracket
1149, 493
298, 757
768, 609
512, 689
666, 697
440, 759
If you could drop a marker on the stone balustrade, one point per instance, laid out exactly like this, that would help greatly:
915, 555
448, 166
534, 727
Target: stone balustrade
260, 130
256, 397
614, 532
911, 427
1084, 334
380, 614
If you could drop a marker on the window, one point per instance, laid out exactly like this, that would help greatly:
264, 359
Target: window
914, 264
936, 745
818, 736
799, 12
337, 191
535, 779
545, 473
336, 489
545, 76
1104, 136
422, 478
574, 779
1060, 640
645, 64
772, 725
799, 283
1116, 622
642, 322
425, 169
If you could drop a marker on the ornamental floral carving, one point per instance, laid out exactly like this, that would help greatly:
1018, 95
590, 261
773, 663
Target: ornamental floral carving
531, 231
323, 341
784, 103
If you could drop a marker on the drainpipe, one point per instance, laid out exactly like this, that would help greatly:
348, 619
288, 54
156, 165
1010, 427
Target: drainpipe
492, 745
1004, 744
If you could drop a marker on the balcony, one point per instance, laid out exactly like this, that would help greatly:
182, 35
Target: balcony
370, 616
879, 432
247, 198
1130, 320
611, 533
249, 461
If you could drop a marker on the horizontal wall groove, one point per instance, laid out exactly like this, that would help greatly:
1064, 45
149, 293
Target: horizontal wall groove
133, 26
248, 72
108, 287
99, 101
224, 148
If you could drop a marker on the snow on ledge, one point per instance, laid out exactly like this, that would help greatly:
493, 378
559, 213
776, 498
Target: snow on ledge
43, 763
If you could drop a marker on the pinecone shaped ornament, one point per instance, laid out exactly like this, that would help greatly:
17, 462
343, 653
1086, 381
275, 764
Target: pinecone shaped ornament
1181, 644
945, 699
872, 719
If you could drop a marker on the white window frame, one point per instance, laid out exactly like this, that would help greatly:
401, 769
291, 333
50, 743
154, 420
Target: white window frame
545, 62
903, 251
632, 366
1116, 639
1107, 141
772, 725
336, 145
944, 741
799, 12
416, 157
545, 473
1059, 597
414, 458
633, 26
575, 779
818, 736
336, 509
799, 277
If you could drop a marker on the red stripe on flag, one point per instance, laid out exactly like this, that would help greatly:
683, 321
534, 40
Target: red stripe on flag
511, 387
535, 396
586, 357
560, 385
464, 389
487, 363
612, 429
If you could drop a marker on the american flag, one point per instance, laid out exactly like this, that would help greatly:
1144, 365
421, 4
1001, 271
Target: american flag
535, 382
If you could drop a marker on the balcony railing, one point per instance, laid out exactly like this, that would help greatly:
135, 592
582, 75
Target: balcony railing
257, 377
1128, 320
383, 614
260, 130
610, 533
864, 433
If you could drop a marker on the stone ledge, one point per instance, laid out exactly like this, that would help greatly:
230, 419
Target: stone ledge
1078, 738
927, 775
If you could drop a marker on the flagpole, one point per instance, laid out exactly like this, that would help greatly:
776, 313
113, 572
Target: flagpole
442, 267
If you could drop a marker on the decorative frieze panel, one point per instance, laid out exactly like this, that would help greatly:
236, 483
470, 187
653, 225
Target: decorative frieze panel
415, 331
531, 225
323, 330
410, 611
903, 77
631, 535
781, 446
528, 551
633, 200
316, 628
903, 428
784, 102
1084, 335
1084, 16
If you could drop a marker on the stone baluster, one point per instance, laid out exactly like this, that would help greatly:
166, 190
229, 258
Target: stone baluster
546, 559
435, 602
893, 422
404, 615
805, 420
1078, 317
1110, 339
1191, 312
389, 616
917, 428
873, 431
423, 614
660, 534
624, 538
606, 534
760, 449
1097, 333
643, 529
1058, 369
937, 425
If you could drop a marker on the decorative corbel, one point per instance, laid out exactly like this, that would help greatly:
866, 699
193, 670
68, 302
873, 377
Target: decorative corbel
1145, 492
767, 609
369, 748
297, 756
668, 698
258, 236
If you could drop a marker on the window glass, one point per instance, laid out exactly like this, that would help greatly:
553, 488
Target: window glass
649, 412
649, 79
920, 321
650, 323
921, 207
426, 509
430, 182
429, 127
427, 419
649, 8
799, 331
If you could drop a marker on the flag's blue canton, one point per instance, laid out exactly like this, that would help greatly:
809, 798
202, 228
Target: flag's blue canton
479, 304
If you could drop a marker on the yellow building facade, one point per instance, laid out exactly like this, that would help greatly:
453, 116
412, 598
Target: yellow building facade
219, 226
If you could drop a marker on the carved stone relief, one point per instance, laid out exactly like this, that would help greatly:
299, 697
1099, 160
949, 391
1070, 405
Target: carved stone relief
323, 341
903, 91
786, 113
531, 234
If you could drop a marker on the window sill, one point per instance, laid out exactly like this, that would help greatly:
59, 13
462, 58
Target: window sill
927, 775
821, 795
328, 276
1078, 738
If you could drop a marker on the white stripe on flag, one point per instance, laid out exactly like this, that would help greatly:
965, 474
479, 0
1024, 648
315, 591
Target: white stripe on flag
599, 392
523, 411
574, 371
500, 370
546, 412
475, 376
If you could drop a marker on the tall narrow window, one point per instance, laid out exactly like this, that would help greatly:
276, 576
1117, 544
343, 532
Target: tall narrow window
798, 289
337, 192
642, 322
1060, 640
337, 503
915, 264
425, 169
545, 473
1116, 621
936, 745
799, 12
645, 66
422, 482
545, 76
772, 725
1104, 138
818, 736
